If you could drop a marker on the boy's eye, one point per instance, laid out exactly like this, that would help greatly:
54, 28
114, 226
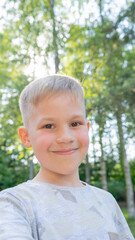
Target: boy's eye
75, 124
49, 126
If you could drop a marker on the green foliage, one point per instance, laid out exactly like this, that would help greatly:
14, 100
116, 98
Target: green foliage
115, 180
132, 170
117, 189
99, 52
12, 170
82, 172
114, 171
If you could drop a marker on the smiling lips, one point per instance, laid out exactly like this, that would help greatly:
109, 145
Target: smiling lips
66, 152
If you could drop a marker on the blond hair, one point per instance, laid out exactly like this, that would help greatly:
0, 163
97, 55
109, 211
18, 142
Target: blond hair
37, 90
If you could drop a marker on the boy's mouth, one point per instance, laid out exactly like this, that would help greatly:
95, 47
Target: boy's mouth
65, 152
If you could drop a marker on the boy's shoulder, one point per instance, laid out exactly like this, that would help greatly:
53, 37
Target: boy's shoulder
102, 199
34, 190
31, 186
101, 192
21, 189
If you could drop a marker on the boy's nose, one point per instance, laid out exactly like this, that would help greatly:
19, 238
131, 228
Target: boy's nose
65, 136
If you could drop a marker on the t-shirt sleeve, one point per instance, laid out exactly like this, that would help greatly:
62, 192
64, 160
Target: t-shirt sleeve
121, 224
14, 220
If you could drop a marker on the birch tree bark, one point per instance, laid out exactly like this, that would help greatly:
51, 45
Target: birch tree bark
101, 120
102, 162
128, 181
87, 170
93, 141
55, 36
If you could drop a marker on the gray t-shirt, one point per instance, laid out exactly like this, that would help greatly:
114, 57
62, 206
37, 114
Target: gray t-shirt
41, 211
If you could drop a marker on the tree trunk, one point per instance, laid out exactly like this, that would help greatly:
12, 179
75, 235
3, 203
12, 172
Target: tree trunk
110, 143
93, 142
103, 164
100, 3
128, 181
54, 35
31, 170
87, 170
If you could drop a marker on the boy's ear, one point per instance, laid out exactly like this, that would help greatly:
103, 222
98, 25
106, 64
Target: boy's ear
88, 125
24, 137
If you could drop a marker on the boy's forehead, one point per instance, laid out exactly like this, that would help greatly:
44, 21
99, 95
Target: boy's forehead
60, 94
39, 113
67, 96
59, 100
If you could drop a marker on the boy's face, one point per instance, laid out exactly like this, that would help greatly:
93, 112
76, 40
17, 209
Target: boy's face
58, 134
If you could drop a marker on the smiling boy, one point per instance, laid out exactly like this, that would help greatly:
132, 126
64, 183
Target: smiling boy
58, 133
56, 205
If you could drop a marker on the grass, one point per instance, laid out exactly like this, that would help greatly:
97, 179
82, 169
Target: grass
131, 222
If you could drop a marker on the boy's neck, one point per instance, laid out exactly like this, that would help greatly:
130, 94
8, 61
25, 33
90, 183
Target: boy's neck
59, 180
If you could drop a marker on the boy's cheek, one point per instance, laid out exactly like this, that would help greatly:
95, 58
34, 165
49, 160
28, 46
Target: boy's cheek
83, 137
42, 142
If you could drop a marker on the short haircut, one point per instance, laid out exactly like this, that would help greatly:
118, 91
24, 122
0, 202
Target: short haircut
37, 90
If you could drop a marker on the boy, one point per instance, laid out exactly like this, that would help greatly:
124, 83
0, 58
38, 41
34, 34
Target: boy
56, 205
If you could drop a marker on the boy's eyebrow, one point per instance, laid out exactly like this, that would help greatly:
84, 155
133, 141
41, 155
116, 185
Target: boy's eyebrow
53, 118
46, 119
75, 116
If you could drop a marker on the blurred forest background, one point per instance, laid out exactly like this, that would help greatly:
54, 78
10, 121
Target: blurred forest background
94, 41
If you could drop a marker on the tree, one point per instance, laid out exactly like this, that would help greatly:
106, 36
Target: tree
99, 57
